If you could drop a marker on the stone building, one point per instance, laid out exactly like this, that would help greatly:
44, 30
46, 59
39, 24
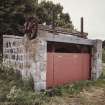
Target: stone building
54, 58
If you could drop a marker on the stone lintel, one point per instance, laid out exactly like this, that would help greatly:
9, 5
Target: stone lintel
66, 39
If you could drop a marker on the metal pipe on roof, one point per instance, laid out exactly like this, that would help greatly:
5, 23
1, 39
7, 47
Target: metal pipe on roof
82, 26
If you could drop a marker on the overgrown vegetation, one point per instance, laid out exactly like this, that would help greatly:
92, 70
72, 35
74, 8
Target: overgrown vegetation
13, 91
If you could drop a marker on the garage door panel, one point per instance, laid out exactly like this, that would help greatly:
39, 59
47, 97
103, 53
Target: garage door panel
86, 66
67, 67
50, 72
61, 73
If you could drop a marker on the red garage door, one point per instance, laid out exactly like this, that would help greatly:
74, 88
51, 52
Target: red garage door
65, 68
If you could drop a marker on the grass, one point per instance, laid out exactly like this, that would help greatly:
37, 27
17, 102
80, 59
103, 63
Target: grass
13, 91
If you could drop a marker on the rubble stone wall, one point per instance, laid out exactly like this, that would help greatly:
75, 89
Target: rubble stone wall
28, 57
96, 60
13, 52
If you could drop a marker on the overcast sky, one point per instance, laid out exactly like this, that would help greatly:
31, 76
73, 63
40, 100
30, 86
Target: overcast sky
93, 12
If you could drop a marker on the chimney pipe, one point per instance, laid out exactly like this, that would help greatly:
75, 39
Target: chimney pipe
82, 26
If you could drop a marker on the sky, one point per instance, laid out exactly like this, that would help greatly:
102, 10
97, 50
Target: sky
93, 12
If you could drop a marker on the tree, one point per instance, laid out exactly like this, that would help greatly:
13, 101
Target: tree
14, 12
46, 11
